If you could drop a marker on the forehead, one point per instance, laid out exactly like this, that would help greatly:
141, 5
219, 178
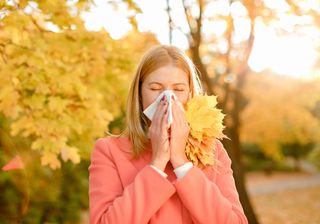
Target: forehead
167, 75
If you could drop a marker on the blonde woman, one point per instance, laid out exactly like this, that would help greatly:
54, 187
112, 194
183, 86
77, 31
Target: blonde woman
144, 175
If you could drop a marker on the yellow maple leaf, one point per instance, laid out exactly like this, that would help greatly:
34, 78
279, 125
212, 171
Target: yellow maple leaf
70, 153
51, 159
206, 126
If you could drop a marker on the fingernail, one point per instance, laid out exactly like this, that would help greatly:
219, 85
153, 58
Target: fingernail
162, 99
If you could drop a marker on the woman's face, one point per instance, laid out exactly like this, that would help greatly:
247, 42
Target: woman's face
165, 78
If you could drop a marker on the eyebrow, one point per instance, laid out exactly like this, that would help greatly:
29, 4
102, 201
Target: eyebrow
175, 84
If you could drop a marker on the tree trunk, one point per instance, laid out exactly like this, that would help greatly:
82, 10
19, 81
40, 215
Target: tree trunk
233, 146
169, 21
234, 150
195, 55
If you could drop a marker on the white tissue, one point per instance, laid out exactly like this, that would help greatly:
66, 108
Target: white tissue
151, 109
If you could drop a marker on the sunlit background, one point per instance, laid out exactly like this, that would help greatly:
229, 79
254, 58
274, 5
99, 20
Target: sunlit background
65, 70
279, 45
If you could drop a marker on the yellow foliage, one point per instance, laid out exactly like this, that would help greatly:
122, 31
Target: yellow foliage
206, 126
62, 89
70, 153
51, 159
279, 112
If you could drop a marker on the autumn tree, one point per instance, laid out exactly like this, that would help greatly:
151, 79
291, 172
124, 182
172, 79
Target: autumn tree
61, 87
282, 108
223, 71
222, 59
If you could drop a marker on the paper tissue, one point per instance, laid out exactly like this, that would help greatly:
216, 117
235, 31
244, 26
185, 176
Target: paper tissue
150, 110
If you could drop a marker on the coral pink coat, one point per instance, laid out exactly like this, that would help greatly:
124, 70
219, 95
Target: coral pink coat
124, 190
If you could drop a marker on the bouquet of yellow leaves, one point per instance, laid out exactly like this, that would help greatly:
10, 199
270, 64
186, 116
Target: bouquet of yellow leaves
206, 126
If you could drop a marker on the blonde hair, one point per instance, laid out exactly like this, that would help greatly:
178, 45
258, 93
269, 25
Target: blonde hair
156, 57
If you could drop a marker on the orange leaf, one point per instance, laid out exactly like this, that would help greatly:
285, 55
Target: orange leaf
14, 164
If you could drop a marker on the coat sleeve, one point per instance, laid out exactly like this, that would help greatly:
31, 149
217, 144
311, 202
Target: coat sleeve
110, 203
212, 202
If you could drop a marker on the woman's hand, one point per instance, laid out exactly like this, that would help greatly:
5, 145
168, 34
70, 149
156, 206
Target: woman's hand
159, 136
178, 136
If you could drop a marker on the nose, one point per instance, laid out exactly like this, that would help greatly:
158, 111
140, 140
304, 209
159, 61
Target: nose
168, 88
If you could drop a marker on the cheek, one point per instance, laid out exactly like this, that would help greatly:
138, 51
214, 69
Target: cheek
148, 98
183, 97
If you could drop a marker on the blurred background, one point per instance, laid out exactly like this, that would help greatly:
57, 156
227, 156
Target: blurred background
65, 70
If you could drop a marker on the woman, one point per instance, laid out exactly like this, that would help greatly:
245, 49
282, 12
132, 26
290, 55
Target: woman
144, 176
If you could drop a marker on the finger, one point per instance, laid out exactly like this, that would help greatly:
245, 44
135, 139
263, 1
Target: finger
180, 121
182, 113
177, 114
159, 106
164, 122
158, 114
175, 121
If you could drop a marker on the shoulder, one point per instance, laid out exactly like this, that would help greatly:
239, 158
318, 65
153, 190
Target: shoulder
222, 154
110, 145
